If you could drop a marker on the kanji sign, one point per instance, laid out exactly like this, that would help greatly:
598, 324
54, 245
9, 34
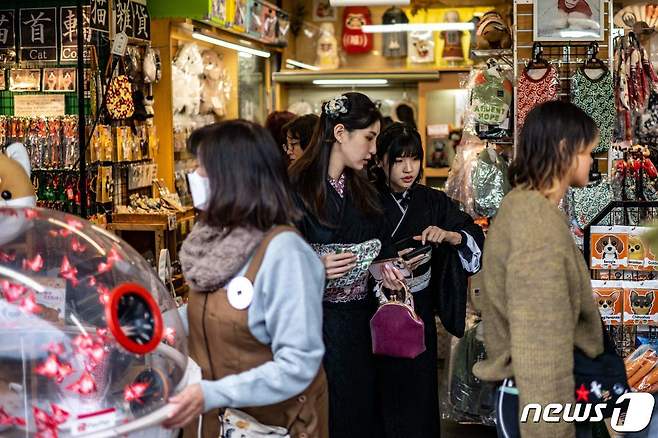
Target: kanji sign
123, 17
38, 34
68, 23
100, 15
7, 36
141, 22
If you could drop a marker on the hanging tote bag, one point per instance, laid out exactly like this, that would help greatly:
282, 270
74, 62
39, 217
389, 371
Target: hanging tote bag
119, 100
396, 329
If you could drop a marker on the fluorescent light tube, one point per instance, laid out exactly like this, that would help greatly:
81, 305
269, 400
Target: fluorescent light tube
350, 81
410, 27
301, 65
338, 3
222, 43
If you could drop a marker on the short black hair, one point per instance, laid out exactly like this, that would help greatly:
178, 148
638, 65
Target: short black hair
398, 140
302, 128
553, 134
249, 183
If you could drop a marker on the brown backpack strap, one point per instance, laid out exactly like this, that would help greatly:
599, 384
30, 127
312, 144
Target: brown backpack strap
257, 260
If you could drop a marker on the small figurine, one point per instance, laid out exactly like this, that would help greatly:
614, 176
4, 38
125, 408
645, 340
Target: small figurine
452, 48
327, 51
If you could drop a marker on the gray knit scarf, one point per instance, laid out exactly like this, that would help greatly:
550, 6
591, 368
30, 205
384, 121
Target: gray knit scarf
210, 257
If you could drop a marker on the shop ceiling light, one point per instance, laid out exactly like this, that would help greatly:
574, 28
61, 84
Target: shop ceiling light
301, 65
411, 27
226, 44
350, 81
339, 3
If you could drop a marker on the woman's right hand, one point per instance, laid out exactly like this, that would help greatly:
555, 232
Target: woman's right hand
337, 265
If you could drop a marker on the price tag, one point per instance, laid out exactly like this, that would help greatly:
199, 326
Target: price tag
120, 44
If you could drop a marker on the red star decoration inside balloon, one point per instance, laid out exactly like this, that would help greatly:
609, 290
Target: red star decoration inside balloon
53, 368
135, 392
582, 394
77, 246
84, 386
68, 271
35, 264
12, 291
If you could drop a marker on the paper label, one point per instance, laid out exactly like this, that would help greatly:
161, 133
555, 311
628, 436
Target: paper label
94, 421
39, 105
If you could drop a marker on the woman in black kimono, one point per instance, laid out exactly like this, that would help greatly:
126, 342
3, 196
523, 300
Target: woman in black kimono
418, 216
341, 206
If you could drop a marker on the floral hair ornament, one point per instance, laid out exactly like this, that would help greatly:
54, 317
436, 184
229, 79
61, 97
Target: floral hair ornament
336, 106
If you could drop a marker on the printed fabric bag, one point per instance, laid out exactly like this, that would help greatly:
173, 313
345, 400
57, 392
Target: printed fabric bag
365, 253
119, 96
235, 423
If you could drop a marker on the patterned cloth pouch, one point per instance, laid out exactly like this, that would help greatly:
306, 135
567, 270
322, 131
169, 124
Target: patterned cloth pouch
236, 423
589, 201
365, 253
119, 102
119, 98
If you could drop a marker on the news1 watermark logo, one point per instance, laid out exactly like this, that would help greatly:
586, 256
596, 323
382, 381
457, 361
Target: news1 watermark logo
635, 417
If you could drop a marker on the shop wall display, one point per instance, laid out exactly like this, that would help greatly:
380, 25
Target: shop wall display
421, 50
569, 20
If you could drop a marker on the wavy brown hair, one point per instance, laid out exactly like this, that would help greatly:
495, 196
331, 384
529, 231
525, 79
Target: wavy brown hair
553, 134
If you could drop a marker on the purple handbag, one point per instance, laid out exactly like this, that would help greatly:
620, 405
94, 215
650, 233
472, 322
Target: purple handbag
395, 328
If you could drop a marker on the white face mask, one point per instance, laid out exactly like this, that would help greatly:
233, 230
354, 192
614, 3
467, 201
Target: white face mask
199, 189
25, 201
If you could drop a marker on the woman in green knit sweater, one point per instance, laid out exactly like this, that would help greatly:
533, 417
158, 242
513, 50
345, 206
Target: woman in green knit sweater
537, 301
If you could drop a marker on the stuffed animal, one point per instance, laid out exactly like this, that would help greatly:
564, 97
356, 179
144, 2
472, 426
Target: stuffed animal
186, 70
493, 32
215, 88
15, 186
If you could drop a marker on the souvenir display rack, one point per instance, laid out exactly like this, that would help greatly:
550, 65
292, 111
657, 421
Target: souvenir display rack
625, 213
565, 55
67, 131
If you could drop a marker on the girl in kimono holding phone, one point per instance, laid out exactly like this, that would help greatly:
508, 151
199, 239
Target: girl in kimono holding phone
341, 217
442, 246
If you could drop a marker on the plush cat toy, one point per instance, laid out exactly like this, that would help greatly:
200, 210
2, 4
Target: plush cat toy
15, 186
15, 190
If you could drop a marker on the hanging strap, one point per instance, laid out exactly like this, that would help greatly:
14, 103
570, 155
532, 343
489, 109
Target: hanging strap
109, 70
259, 255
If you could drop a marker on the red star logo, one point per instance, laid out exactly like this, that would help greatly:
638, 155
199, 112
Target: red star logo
582, 394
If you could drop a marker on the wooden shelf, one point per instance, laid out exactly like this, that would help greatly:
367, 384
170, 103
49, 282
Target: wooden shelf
393, 75
436, 172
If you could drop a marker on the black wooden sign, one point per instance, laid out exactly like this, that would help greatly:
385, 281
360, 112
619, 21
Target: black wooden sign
7, 36
123, 17
68, 23
38, 34
100, 15
141, 21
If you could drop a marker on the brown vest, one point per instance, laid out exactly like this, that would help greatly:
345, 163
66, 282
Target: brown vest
221, 343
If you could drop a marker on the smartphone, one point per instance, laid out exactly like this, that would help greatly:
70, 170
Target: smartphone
407, 242
427, 249
376, 268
